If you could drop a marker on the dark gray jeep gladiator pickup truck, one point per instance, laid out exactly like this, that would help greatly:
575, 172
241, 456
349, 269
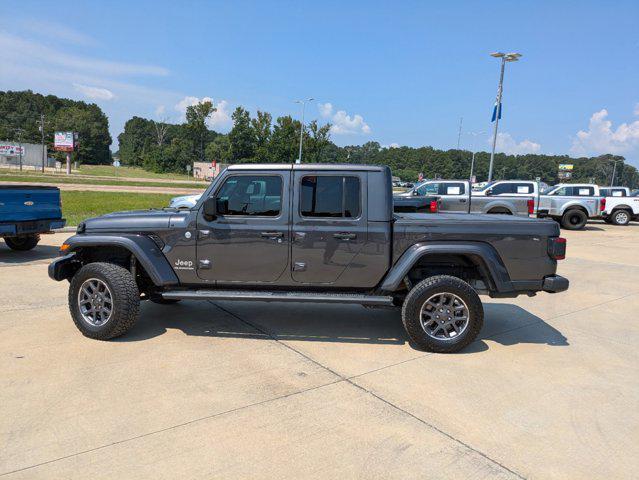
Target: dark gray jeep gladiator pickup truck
308, 233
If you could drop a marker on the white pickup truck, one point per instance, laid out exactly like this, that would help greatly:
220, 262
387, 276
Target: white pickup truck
620, 210
571, 204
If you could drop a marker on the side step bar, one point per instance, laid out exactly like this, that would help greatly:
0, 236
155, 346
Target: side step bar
276, 296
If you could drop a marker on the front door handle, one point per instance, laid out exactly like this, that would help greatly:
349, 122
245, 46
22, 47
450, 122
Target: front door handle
462, 200
345, 236
273, 234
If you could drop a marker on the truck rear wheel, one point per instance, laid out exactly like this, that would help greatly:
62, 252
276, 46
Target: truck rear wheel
442, 314
22, 243
621, 217
104, 300
574, 219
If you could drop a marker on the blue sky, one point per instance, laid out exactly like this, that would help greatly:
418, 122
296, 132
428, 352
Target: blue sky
394, 72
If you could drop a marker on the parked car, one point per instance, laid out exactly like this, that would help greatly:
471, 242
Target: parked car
314, 233
614, 191
621, 210
571, 204
511, 188
456, 196
26, 212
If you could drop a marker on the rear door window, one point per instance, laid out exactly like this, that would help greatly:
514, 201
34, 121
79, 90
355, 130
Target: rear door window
452, 188
330, 196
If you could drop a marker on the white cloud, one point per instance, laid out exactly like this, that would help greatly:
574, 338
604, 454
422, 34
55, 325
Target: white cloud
49, 30
221, 118
507, 144
601, 138
94, 93
343, 124
29, 52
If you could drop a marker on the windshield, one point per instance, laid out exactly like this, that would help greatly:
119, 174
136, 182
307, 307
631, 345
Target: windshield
635, 193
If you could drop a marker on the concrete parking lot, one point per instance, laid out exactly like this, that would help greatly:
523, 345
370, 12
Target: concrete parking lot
256, 390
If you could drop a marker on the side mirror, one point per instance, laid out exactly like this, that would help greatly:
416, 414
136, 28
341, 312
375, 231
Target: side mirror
489, 192
210, 208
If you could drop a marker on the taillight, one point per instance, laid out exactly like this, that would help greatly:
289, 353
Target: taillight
602, 204
531, 206
557, 248
433, 206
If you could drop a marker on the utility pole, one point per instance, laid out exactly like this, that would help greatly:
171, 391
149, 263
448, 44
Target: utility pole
44, 153
19, 132
505, 57
614, 170
461, 121
303, 102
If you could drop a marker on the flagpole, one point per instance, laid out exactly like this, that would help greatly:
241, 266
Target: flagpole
497, 116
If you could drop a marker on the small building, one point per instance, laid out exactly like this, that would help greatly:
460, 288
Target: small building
31, 155
207, 170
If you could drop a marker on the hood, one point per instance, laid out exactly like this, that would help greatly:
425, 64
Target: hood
136, 220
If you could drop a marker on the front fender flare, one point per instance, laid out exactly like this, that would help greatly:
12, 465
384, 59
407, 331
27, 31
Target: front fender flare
146, 252
482, 254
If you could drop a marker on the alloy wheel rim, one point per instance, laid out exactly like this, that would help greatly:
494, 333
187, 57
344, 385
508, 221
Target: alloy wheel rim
444, 316
95, 302
622, 217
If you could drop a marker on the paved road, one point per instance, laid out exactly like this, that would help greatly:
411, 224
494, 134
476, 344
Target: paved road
113, 188
240, 390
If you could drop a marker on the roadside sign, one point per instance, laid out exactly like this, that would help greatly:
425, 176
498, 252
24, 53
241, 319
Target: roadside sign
565, 166
116, 163
63, 141
188, 168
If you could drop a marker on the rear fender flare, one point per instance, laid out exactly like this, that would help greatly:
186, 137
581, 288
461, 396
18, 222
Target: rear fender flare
498, 204
146, 252
482, 254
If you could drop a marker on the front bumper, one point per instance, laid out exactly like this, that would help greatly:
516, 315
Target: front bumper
555, 284
63, 267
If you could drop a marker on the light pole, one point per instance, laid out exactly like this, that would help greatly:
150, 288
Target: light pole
505, 57
472, 161
303, 102
614, 170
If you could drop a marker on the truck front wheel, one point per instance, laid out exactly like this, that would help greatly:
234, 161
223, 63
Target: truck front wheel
442, 314
104, 300
22, 244
574, 219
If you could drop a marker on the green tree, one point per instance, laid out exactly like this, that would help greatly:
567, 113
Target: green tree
241, 137
284, 143
196, 117
219, 150
262, 133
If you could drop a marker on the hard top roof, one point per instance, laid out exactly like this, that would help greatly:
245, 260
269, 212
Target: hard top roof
307, 166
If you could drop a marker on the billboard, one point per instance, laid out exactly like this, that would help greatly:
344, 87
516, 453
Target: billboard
63, 141
565, 167
10, 150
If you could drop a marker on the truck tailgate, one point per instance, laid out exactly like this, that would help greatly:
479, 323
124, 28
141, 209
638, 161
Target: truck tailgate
23, 204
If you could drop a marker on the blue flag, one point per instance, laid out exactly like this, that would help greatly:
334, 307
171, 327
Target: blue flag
496, 114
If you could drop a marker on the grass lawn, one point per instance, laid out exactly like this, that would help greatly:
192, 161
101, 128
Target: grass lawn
78, 206
131, 172
33, 178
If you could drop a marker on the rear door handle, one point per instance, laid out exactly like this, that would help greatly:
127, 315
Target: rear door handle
345, 236
272, 234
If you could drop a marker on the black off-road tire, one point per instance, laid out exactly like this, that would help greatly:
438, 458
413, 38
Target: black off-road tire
125, 296
574, 219
421, 293
22, 244
621, 217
